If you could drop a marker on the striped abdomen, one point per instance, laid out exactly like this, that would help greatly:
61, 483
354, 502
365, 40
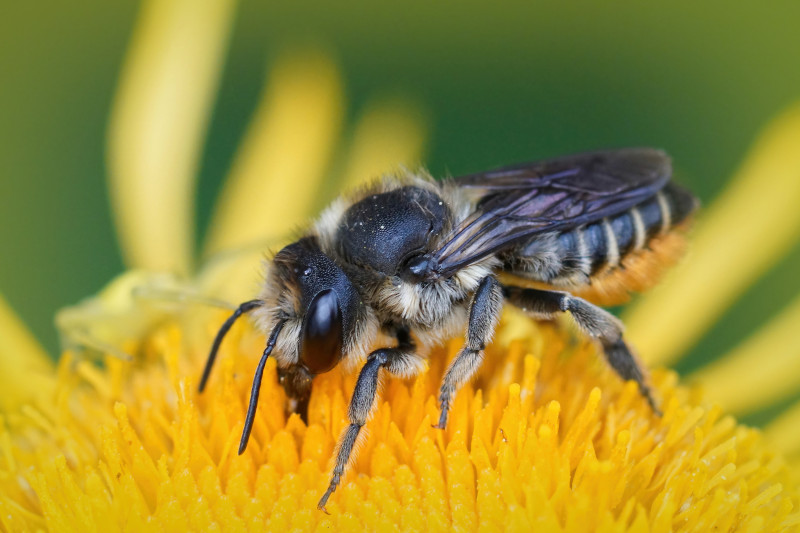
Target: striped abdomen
605, 260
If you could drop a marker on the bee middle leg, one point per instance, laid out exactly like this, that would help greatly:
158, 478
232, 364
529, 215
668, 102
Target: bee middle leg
487, 303
596, 322
400, 361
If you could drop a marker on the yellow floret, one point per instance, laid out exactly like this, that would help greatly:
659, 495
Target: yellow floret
546, 439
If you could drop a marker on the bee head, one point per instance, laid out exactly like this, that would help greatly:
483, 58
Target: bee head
324, 301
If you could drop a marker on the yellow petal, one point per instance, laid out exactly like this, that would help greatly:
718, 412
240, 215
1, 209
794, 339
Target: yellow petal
158, 124
274, 183
236, 275
784, 432
389, 134
26, 372
760, 371
747, 229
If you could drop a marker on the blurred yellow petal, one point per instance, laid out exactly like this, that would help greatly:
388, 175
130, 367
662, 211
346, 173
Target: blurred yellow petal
745, 231
158, 125
26, 372
760, 371
784, 432
237, 275
389, 134
273, 185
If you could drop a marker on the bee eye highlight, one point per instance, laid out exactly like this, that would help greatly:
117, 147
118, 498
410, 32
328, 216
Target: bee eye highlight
321, 346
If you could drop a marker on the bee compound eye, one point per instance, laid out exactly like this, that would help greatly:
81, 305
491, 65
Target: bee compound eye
321, 346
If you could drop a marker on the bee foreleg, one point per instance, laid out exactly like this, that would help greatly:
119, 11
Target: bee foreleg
596, 322
487, 302
400, 361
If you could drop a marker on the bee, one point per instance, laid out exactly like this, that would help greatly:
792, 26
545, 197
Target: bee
408, 262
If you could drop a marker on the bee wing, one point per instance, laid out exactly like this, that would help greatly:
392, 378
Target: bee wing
515, 203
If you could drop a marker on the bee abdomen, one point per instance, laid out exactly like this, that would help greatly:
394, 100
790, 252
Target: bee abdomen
588, 255
606, 244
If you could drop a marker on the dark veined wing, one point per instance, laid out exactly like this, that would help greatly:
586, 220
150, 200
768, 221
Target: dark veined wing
515, 203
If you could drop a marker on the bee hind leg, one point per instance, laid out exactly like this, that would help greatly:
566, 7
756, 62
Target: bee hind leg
596, 322
487, 302
400, 361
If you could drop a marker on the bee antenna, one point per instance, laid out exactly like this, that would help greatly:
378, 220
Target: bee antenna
251, 409
243, 308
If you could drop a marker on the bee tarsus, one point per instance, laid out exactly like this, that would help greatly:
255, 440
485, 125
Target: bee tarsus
619, 356
361, 405
484, 312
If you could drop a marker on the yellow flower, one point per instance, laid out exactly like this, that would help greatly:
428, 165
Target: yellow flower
546, 438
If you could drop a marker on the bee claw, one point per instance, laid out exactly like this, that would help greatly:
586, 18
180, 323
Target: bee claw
442, 421
323, 501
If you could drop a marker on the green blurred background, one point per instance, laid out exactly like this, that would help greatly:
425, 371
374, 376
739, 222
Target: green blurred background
514, 83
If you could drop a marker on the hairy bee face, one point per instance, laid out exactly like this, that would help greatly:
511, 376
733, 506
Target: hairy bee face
317, 304
315, 315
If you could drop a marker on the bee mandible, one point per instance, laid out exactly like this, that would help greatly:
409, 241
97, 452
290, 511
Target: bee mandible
417, 261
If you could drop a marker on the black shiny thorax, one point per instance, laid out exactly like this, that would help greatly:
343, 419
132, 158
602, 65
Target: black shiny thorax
388, 231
